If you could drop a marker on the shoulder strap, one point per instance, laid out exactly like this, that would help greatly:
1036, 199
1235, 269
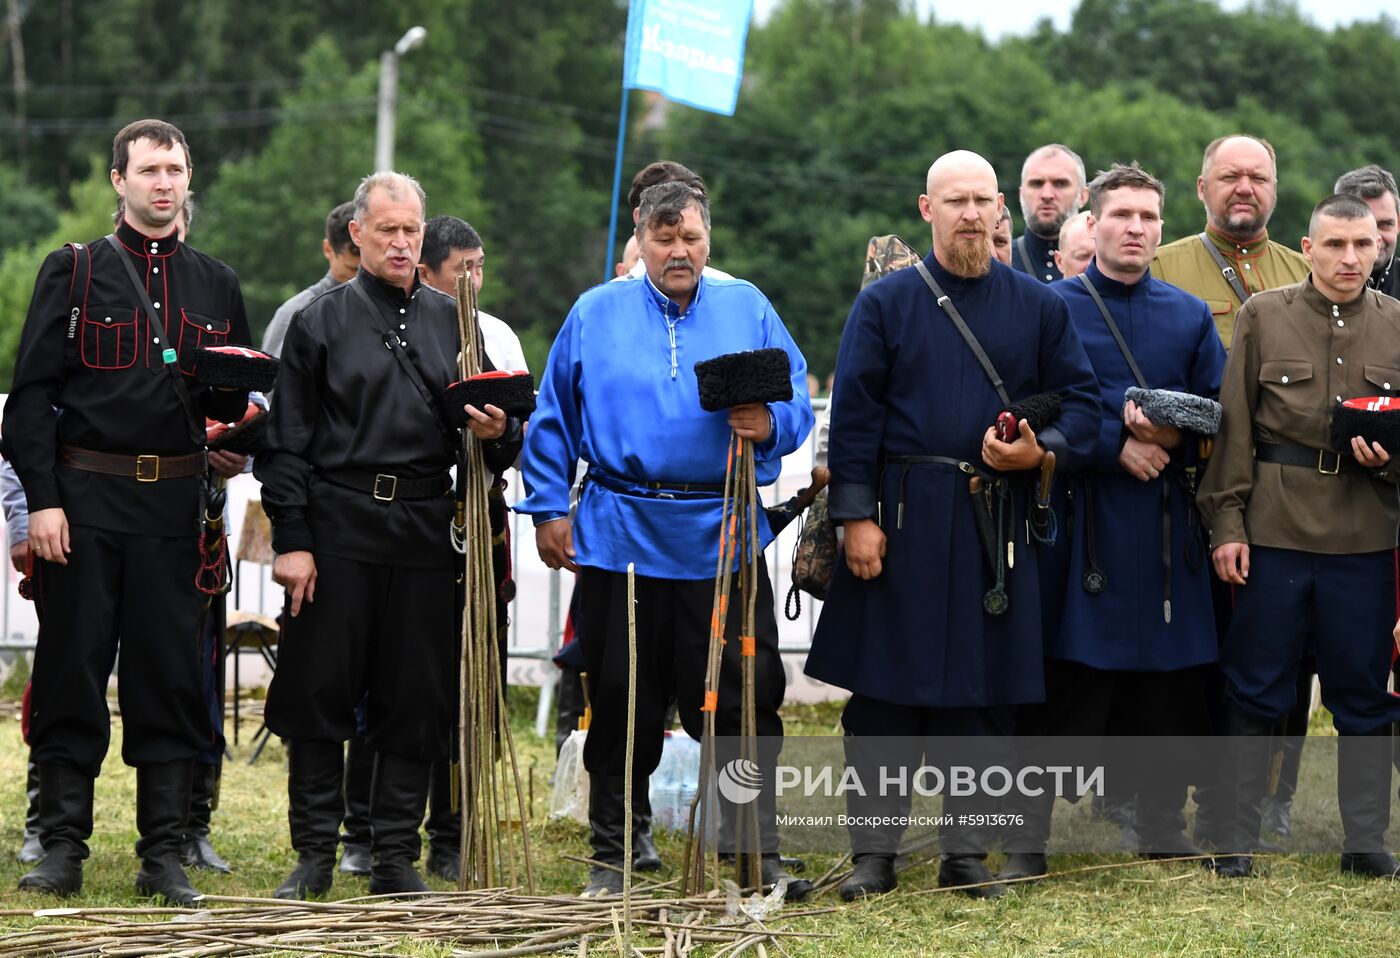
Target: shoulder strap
966, 333
169, 357
1225, 268
1020, 245
77, 299
395, 346
1113, 328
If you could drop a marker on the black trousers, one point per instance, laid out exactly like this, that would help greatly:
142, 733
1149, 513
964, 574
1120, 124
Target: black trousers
882, 737
139, 591
1083, 701
376, 632
673, 635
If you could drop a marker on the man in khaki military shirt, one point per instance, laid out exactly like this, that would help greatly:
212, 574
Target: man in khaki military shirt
1239, 187
1305, 533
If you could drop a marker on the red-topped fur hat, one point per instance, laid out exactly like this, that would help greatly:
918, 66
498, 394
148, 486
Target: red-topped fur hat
247, 437
1373, 418
513, 392
235, 367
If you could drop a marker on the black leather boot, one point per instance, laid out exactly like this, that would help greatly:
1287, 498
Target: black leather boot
65, 824
31, 849
1025, 843
195, 850
359, 776
397, 802
959, 869
1278, 807
873, 875
605, 823
162, 811
644, 855
314, 808
1242, 787
444, 826
1363, 795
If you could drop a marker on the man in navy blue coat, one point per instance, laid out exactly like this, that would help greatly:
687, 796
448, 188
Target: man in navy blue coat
1135, 628
905, 626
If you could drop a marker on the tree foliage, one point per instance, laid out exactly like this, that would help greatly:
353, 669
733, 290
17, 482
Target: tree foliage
508, 116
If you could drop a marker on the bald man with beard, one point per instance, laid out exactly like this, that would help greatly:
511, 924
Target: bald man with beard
906, 626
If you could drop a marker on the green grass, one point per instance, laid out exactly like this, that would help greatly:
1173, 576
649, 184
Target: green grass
1301, 906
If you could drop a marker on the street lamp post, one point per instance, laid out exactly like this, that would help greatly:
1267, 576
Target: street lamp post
389, 96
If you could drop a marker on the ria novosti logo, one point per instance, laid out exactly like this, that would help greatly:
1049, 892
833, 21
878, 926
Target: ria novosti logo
740, 781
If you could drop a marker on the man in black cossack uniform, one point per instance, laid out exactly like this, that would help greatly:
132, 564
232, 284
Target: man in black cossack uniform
101, 429
355, 478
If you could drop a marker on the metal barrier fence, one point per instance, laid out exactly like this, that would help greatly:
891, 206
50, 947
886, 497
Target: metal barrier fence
539, 611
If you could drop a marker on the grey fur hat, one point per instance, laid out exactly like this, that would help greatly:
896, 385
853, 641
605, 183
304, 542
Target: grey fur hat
1166, 407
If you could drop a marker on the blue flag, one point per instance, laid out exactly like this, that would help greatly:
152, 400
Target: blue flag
689, 51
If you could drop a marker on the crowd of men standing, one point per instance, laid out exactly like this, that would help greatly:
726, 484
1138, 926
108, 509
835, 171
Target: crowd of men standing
1215, 549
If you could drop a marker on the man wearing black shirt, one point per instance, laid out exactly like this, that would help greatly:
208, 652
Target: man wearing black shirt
107, 451
355, 479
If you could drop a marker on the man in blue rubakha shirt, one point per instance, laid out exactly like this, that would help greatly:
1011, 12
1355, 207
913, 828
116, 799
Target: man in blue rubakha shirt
620, 393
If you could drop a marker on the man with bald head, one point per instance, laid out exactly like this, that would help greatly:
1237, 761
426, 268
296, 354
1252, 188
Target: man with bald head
1233, 258
1076, 245
1053, 188
1225, 264
355, 479
911, 422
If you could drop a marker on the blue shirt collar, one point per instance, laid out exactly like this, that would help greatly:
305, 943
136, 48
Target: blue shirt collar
668, 306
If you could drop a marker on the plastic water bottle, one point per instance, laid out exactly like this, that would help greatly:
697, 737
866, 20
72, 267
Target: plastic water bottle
674, 783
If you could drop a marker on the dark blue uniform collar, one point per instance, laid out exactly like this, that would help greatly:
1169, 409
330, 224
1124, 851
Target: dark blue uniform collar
391, 293
1107, 286
143, 245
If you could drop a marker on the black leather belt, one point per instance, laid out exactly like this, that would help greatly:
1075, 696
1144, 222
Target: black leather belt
1325, 461
140, 468
654, 490
387, 488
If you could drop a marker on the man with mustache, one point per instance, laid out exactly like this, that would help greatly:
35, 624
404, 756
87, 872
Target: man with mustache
1234, 257
1306, 531
1228, 262
1375, 187
1052, 190
620, 391
1117, 662
912, 625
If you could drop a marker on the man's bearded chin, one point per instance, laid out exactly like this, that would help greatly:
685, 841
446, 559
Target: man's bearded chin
1246, 225
1048, 231
970, 258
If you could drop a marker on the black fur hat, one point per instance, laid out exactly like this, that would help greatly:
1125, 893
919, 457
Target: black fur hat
1038, 411
512, 392
1167, 407
753, 376
235, 367
1373, 418
248, 436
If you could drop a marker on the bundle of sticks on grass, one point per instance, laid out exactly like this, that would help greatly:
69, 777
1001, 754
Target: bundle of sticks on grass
495, 847
759, 376
491, 923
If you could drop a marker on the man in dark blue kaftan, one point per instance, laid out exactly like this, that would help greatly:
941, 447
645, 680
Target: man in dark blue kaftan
905, 627
1135, 626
